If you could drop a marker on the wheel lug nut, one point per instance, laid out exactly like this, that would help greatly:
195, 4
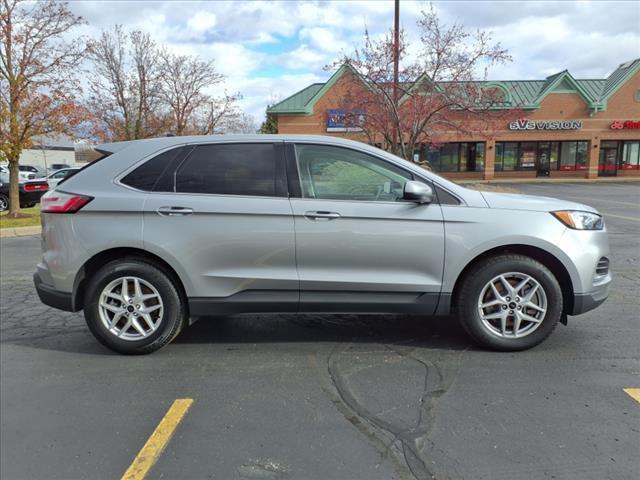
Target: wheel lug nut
504, 307
517, 299
519, 307
511, 312
130, 301
508, 299
138, 307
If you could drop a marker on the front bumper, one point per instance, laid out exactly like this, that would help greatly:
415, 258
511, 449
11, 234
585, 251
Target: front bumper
584, 302
52, 297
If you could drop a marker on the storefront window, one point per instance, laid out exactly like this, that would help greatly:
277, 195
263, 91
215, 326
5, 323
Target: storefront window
479, 163
573, 155
568, 156
527, 156
454, 157
631, 155
506, 155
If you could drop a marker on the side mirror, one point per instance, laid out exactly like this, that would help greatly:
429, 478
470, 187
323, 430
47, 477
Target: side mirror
417, 192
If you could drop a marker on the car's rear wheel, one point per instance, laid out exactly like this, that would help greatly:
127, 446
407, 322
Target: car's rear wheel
134, 307
4, 202
509, 302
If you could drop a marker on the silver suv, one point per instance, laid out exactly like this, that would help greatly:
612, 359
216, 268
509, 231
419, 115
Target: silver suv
165, 230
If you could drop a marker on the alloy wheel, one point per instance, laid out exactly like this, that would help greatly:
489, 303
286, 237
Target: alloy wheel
130, 308
512, 305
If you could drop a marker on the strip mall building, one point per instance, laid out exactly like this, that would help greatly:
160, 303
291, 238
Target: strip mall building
577, 128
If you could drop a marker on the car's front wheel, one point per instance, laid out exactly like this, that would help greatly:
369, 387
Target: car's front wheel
509, 302
134, 307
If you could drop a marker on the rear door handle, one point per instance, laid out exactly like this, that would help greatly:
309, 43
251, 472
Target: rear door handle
321, 215
174, 211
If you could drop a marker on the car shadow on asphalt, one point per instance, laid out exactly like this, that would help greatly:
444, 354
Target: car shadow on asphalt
418, 331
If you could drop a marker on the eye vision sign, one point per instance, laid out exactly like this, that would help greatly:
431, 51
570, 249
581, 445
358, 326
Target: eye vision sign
526, 124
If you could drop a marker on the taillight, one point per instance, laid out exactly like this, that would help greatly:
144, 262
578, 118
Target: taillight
36, 187
62, 202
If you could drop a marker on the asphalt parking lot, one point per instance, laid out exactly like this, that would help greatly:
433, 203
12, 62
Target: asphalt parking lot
327, 396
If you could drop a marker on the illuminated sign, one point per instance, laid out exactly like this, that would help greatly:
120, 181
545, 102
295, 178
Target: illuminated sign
625, 125
526, 124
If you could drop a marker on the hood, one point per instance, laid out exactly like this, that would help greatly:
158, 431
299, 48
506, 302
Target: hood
514, 201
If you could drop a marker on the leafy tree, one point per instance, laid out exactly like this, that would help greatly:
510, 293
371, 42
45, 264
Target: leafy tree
270, 124
438, 89
37, 78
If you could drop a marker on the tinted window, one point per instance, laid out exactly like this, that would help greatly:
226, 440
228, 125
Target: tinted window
232, 169
146, 175
342, 174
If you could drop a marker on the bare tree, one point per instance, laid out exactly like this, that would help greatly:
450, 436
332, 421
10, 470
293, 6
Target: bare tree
125, 86
183, 84
36, 78
439, 89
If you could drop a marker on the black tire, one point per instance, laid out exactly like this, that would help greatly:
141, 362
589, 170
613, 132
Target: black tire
174, 317
467, 297
4, 202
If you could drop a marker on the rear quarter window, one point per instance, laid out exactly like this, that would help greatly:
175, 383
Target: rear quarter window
146, 177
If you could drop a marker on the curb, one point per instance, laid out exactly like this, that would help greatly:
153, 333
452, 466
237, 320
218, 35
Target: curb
20, 231
551, 180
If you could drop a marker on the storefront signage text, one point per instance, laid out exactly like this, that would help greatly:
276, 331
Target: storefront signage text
626, 125
526, 124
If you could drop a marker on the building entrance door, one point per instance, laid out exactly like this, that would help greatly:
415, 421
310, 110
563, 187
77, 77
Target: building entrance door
607, 165
544, 154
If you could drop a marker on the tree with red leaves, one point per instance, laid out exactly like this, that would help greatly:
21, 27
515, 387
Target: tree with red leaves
439, 87
37, 84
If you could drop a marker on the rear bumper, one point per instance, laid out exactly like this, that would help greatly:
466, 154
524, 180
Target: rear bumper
52, 297
584, 302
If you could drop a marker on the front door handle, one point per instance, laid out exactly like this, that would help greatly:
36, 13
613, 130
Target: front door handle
174, 211
321, 215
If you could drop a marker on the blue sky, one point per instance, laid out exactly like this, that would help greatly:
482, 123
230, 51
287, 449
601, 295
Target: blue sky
269, 50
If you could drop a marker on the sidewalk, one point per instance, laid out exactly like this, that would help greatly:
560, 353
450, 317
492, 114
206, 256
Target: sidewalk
19, 232
543, 180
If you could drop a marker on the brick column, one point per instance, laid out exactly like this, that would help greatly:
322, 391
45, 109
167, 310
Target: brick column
489, 160
594, 157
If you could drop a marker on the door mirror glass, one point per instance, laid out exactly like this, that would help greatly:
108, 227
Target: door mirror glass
417, 192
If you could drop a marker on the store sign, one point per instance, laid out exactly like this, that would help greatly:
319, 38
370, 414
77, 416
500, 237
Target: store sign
625, 125
526, 124
339, 121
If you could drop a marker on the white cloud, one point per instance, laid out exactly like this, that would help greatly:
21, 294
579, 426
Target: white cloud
293, 40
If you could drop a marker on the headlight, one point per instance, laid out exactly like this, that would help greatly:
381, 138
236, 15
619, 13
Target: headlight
579, 220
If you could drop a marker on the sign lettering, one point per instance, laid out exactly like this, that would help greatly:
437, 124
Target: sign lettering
526, 124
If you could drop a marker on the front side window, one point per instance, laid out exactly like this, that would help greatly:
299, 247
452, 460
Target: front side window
249, 169
335, 173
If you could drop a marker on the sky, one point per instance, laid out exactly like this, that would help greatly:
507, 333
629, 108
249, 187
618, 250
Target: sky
272, 49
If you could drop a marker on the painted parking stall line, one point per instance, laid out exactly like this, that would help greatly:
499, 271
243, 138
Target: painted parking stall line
633, 393
158, 440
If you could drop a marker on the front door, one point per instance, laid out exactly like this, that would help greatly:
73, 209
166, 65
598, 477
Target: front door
543, 161
607, 164
358, 243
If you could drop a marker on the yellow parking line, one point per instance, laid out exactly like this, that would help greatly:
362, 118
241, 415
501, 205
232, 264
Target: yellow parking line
158, 440
633, 393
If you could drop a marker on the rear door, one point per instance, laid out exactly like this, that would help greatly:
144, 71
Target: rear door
220, 212
358, 243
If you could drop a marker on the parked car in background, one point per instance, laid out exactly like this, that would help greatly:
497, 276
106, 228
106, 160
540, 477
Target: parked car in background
55, 178
31, 172
54, 167
29, 191
162, 230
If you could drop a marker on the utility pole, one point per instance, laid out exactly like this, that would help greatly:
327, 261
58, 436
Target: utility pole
396, 60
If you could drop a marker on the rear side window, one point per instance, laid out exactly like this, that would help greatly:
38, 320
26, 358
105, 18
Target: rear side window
147, 175
233, 169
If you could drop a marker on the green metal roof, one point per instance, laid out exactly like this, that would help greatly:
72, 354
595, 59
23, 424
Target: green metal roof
521, 93
297, 102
